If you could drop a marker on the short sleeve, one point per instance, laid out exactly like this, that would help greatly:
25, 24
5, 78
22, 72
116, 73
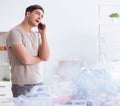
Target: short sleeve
13, 37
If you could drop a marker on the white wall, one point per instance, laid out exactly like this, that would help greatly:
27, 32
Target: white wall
72, 26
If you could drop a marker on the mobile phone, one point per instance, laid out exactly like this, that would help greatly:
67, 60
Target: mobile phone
40, 26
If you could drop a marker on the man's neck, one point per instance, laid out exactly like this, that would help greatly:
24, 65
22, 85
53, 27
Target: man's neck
26, 26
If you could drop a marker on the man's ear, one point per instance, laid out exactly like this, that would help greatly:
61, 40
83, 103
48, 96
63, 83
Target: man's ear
28, 13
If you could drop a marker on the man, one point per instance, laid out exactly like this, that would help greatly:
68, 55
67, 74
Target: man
26, 49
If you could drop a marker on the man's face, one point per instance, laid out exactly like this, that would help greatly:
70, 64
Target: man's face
35, 17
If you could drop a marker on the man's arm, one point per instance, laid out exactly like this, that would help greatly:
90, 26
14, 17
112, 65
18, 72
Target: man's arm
44, 51
23, 55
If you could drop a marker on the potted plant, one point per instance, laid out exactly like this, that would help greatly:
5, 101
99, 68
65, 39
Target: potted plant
114, 16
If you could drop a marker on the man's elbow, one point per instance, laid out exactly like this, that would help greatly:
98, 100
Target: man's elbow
26, 61
46, 58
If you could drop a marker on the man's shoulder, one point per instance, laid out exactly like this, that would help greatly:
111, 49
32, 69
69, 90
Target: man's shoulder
15, 29
14, 32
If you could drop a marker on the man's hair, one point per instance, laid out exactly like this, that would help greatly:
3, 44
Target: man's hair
33, 7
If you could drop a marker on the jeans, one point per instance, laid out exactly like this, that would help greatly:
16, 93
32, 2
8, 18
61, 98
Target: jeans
18, 90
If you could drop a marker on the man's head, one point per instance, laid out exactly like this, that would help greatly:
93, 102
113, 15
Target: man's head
31, 8
33, 15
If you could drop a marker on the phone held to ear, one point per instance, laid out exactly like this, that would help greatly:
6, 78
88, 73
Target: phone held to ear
40, 26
